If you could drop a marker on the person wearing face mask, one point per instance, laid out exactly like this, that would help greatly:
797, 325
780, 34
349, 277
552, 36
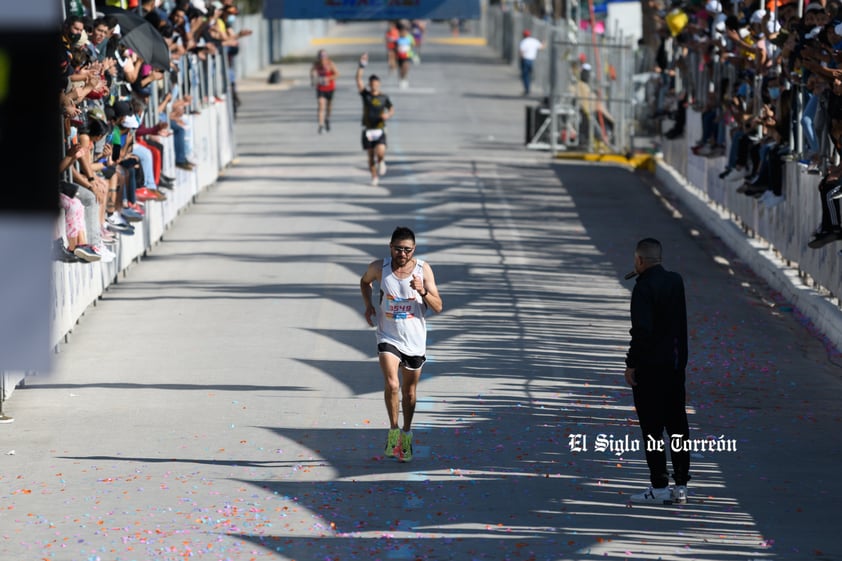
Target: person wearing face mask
73, 31
232, 45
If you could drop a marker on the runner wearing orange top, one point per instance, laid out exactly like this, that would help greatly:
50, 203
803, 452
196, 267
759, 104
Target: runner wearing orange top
392, 35
323, 75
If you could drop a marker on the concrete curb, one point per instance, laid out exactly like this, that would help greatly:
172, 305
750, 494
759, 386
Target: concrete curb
819, 310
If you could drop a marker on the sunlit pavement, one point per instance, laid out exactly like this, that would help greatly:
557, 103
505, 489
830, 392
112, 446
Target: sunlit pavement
223, 401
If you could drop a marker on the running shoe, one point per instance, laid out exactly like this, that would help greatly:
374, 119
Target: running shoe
86, 253
406, 447
115, 218
321, 129
106, 255
62, 254
137, 207
129, 214
653, 496
107, 235
381, 169
822, 238
375, 181
327, 125
392, 442
145, 194
679, 494
123, 229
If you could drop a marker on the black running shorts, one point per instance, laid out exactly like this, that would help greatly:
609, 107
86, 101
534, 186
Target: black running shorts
408, 362
371, 144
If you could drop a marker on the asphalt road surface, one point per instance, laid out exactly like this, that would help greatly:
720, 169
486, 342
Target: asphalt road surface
223, 401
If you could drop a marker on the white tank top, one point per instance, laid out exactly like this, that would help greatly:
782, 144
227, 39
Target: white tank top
400, 316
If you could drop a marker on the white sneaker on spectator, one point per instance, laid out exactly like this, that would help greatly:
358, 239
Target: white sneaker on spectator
106, 254
116, 218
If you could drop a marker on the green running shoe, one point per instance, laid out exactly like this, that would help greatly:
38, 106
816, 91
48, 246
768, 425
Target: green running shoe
406, 447
392, 443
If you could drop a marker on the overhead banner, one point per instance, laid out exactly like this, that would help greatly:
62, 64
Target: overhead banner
371, 9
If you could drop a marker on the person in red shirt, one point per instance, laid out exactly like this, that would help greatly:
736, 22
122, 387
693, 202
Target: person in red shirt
323, 76
392, 35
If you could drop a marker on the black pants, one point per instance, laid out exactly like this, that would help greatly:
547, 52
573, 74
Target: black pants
659, 401
743, 149
830, 206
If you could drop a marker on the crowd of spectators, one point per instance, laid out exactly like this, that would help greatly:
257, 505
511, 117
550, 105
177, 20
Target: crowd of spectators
767, 80
119, 107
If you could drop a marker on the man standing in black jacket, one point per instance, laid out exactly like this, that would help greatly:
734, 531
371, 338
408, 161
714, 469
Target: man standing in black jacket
655, 369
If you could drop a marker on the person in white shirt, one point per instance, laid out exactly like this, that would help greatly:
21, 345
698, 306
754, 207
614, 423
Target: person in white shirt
407, 290
528, 48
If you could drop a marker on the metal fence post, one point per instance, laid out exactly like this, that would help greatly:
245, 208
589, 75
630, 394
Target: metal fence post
553, 91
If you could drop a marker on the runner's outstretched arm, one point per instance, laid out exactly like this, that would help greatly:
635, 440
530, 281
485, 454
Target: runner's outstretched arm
360, 69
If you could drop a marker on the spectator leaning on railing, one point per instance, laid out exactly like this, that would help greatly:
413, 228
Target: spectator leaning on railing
754, 72
113, 136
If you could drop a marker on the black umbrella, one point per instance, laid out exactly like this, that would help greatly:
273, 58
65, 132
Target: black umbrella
141, 36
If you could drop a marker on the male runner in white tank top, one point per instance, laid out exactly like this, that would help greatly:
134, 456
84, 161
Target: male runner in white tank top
407, 290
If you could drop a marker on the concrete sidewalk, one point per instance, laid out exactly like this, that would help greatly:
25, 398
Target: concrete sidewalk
224, 400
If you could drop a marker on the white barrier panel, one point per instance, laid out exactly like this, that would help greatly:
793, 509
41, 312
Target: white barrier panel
779, 251
78, 285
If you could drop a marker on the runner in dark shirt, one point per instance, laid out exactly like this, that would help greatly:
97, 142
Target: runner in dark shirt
377, 109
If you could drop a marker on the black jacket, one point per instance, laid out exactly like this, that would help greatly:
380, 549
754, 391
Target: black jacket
659, 322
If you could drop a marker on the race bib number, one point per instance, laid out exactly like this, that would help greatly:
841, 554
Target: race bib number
399, 309
373, 134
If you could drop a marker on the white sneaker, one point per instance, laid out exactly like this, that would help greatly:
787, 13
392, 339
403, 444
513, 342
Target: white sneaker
375, 181
404, 84
106, 254
654, 496
381, 169
679, 494
117, 219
